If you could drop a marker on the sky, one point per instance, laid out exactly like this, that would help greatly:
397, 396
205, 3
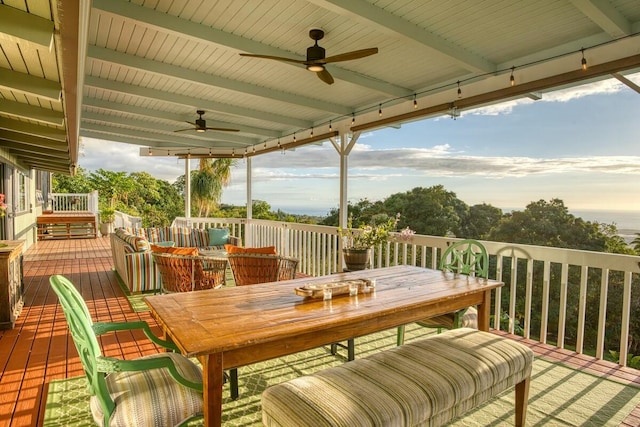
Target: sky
581, 145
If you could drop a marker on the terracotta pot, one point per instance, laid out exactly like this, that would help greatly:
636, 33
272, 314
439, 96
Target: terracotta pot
356, 259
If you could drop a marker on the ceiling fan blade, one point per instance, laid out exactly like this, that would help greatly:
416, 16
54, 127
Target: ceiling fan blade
277, 58
223, 129
191, 123
182, 130
356, 54
325, 76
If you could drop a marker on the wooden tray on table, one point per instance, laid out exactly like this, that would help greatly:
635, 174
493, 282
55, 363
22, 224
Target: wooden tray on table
316, 290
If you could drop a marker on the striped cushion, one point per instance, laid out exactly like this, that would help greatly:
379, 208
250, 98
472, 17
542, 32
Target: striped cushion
428, 382
152, 397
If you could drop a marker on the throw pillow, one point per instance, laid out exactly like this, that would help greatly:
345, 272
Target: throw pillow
218, 236
269, 250
175, 251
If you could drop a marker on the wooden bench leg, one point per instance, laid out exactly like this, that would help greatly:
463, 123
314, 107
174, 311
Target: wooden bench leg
522, 397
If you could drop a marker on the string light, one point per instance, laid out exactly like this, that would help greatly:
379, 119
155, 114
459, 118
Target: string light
584, 60
265, 145
330, 126
459, 90
254, 149
209, 151
512, 79
353, 119
294, 137
415, 101
233, 152
312, 131
379, 110
279, 145
150, 152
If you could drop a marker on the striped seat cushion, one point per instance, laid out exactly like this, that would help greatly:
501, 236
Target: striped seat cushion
152, 397
428, 382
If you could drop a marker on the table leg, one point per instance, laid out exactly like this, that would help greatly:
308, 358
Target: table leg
484, 310
213, 379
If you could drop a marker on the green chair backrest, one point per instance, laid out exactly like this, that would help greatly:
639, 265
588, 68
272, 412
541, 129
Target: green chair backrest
81, 328
466, 257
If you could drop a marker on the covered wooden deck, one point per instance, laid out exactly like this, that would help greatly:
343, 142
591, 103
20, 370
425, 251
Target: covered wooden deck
39, 348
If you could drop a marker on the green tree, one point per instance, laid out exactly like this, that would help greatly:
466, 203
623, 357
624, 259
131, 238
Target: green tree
636, 243
207, 184
480, 221
79, 183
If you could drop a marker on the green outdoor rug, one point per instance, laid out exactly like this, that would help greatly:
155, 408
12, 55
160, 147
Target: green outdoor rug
559, 396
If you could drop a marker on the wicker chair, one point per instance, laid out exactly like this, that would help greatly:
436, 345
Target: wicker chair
250, 268
185, 273
467, 257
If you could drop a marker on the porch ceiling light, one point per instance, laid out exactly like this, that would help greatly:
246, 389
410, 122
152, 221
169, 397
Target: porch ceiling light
316, 68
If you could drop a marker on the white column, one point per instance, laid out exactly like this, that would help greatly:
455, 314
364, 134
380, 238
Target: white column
248, 237
187, 190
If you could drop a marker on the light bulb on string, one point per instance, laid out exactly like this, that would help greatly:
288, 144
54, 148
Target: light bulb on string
353, 119
512, 79
330, 126
459, 90
379, 110
312, 131
294, 137
584, 60
415, 102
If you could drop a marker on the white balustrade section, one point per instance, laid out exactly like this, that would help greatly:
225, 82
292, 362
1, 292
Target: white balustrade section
556, 282
83, 202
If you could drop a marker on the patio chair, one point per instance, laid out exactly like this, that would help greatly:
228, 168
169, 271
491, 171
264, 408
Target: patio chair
467, 257
254, 268
186, 273
161, 389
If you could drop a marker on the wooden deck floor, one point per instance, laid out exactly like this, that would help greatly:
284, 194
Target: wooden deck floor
39, 348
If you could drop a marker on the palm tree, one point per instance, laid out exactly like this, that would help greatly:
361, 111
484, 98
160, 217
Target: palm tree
207, 183
636, 243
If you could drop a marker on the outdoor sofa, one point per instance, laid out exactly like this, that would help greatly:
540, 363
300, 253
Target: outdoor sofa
131, 250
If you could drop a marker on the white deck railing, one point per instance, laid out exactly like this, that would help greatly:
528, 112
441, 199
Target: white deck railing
561, 297
64, 202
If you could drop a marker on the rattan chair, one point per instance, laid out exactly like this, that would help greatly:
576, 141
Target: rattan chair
251, 268
467, 257
186, 273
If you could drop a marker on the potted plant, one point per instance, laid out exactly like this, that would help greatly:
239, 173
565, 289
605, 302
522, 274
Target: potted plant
107, 217
357, 242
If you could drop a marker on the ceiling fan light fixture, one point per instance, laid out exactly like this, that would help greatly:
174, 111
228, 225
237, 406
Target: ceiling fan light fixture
316, 68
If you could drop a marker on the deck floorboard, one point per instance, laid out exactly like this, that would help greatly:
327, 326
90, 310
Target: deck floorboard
39, 348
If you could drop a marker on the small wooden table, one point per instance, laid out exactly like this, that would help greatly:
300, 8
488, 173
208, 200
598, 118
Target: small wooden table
236, 326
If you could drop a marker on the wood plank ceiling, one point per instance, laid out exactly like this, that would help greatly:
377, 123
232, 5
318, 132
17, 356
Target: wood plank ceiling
149, 65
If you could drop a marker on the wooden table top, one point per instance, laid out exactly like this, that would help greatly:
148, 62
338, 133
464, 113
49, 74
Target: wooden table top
231, 319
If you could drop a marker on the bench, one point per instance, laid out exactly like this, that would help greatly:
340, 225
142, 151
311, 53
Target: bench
427, 382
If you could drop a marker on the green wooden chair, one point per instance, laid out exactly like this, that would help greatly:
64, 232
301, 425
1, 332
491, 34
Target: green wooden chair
467, 257
161, 389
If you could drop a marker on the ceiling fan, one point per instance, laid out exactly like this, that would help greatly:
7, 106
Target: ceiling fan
201, 125
316, 59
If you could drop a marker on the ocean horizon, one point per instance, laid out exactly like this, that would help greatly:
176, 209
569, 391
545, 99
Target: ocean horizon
627, 222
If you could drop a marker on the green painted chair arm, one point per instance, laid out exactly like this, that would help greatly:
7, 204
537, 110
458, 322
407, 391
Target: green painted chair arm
100, 328
109, 365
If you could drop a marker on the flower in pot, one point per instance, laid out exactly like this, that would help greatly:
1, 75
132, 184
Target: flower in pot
357, 242
107, 217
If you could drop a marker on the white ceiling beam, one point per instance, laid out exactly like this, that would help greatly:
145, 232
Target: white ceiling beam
155, 127
103, 104
17, 147
21, 138
26, 27
604, 15
30, 85
127, 139
184, 28
205, 104
33, 129
622, 79
363, 10
109, 130
173, 71
42, 159
31, 112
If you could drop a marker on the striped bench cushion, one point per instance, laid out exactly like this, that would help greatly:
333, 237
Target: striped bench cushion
428, 382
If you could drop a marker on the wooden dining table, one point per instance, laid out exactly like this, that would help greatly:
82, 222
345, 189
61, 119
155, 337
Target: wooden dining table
236, 326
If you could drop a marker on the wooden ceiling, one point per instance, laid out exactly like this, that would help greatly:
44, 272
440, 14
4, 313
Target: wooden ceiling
136, 71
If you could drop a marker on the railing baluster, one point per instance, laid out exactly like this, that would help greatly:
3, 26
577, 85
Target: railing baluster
582, 307
602, 312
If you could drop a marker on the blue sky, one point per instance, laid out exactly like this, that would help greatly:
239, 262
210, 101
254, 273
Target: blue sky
581, 145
